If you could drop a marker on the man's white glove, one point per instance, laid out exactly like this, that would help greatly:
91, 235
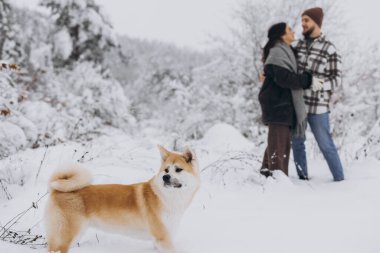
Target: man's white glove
317, 84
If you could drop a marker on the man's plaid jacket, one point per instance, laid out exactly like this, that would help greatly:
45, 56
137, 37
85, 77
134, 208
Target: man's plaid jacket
323, 61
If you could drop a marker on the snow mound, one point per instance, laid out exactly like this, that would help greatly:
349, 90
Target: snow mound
225, 137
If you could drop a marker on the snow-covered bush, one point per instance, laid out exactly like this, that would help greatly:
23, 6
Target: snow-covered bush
371, 146
86, 91
79, 103
16, 131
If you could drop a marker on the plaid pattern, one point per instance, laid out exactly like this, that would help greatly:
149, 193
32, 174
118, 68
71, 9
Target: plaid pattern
323, 61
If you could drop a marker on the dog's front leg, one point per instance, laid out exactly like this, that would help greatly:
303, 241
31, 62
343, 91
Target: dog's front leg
162, 238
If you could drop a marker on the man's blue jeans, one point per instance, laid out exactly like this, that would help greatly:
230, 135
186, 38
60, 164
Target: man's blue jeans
320, 127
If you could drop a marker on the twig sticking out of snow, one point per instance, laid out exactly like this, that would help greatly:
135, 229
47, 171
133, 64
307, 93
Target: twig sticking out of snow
22, 237
42, 161
5, 189
237, 162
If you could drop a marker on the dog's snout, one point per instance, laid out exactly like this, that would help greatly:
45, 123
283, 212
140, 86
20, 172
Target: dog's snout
166, 178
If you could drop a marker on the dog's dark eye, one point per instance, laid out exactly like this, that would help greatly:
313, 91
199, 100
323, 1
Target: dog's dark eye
178, 170
167, 170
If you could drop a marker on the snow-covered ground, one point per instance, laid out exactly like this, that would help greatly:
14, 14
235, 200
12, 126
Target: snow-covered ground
236, 210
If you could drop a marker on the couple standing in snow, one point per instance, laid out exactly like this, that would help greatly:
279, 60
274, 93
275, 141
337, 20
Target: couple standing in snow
297, 89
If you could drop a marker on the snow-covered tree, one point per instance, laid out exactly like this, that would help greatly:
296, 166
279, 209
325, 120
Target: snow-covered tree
11, 49
158, 78
82, 33
221, 95
35, 40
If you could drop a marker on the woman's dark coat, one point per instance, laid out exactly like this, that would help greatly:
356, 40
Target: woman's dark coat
275, 95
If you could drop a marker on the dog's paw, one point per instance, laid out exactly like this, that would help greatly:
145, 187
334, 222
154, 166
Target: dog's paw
165, 247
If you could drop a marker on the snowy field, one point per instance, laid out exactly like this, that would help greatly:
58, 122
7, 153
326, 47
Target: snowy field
236, 210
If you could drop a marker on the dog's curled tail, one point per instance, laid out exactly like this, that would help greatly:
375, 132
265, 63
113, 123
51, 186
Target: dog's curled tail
70, 179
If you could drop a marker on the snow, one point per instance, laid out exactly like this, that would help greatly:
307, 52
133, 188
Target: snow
40, 57
63, 44
280, 214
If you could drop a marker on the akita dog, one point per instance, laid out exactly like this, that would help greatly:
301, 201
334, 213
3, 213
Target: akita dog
150, 209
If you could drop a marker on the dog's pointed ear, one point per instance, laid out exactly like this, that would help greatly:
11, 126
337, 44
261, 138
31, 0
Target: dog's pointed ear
164, 153
189, 155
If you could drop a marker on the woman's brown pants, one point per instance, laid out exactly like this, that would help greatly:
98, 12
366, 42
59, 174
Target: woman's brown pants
276, 156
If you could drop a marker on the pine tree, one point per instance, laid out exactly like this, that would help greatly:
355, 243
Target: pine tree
82, 32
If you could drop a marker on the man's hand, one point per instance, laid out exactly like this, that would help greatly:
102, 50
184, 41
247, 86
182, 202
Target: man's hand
317, 84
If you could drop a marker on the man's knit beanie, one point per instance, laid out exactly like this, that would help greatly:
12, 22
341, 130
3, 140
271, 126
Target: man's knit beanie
316, 14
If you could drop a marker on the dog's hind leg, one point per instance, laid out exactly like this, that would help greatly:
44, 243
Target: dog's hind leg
62, 231
64, 238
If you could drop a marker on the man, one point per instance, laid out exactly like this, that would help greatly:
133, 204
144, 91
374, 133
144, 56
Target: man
319, 56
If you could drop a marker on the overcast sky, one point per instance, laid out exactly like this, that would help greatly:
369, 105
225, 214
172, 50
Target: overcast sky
189, 22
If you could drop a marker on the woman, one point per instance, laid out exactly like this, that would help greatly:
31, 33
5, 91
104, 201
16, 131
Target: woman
281, 98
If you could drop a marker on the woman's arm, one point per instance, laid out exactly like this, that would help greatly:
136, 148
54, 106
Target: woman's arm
289, 80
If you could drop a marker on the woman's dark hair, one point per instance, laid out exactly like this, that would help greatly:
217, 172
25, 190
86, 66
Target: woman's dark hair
274, 35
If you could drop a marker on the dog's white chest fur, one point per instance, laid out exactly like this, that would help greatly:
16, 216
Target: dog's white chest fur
172, 221
175, 202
